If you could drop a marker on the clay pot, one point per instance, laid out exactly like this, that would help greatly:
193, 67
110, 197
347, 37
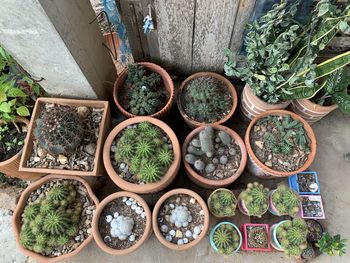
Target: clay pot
10, 166
16, 220
96, 218
155, 219
193, 123
142, 188
259, 169
104, 129
311, 112
207, 183
167, 82
252, 105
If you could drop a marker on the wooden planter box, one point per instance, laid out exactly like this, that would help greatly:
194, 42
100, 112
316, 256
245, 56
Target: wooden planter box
105, 126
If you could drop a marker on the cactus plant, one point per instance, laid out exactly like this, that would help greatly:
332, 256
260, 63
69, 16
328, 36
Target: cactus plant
226, 239
222, 202
308, 253
59, 130
180, 216
255, 199
286, 201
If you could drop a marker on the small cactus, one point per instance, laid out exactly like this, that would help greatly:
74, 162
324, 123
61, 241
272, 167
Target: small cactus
255, 199
226, 239
59, 193
224, 137
308, 253
206, 139
150, 172
180, 216
31, 211
222, 203
286, 201
199, 165
55, 222
27, 238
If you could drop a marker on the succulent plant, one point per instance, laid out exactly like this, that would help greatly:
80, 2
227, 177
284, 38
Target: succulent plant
58, 193
138, 76
255, 199
31, 211
55, 222
226, 239
222, 202
121, 227
180, 216
165, 157
59, 130
308, 253
332, 245
292, 236
286, 201
144, 148
27, 238
150, 172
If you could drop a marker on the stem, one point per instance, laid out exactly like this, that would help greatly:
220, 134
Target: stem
17, 128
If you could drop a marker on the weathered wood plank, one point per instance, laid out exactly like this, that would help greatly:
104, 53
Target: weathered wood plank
214, 21
175, 33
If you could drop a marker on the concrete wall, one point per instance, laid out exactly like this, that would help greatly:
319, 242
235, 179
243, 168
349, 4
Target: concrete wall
53, 40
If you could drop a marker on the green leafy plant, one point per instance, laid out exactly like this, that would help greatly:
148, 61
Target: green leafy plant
255, 199
222, 203
226, 239
281, 52
332, 245
286, 201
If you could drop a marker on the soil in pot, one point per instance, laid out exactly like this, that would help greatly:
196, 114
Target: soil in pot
11, 139
280, 142
214, 154
65, 137
315, 230
57, 218
180, 219
143, 92
257, 237
307, 182
311, 207
142, 153
122, 223
206, 99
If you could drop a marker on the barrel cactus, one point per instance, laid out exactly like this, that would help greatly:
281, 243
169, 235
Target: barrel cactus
255, 199
226, 239
286, 201
222, 203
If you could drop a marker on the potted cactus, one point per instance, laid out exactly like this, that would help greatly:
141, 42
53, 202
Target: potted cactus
52, 220
311, 206
254, 201
142, 155
290, 236
214, 156
65, 137
256, 237
206, 98
225, 238
305, 183
222, 203
144, 89
284, 201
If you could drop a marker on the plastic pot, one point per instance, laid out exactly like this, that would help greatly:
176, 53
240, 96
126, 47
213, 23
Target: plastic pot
242, 207
293, 183
209, 200
316, 198
273, 235
212, 231
244, 229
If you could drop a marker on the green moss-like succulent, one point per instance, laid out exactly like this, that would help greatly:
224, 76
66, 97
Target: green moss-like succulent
286, 201
27, 238
31, 211
222, 203
255, 199
226, 239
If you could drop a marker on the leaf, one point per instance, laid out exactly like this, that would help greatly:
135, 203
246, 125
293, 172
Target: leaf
342, 99
343, 26
23, 111
300, 92
12, 102
333, 64
3, 96
16, 92
323, 9
5, 107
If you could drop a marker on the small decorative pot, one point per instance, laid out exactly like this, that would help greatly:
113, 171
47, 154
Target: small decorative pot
212, 231
242, 207
273, 234
294, 183
209, 201
309, 199
244, 229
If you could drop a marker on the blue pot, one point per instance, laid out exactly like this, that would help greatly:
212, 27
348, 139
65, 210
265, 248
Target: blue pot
293, 183
214, 229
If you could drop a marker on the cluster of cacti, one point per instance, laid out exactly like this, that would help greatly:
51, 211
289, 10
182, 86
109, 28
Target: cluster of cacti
52, 221
145, 150
255, 199
144, 95
286, 201
59, 130
205, 101
285, 134
180, 216
226, 239
222, 203
292, 236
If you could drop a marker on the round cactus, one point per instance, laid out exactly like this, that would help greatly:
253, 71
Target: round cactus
286, 201
144, 148
31, 211
27, 238
46, 206
222, 203
226, 239
255, 199
59, 193
150, 172
55, 222
165, 157
62, 240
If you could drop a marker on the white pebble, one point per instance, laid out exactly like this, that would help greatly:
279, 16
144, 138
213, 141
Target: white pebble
164, 228
169, 238
138, 210
133, 206
116, 214
201, 213
180, 242
132, 238
131, 199
134, 202
107, 239
194, 236
172, 206
108, 218
197, 230
128, 202
122, 166
185, 240
143, 215
192, 200
172, 232
188, 233
124, 199
189, 218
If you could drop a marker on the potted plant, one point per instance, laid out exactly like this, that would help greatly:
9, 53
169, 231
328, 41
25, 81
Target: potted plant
180, 219
214, 156
222, 203
332, 245
122, 223
305, 183
52, 220
206, 98
315, 230
225, 238
284, 201
280, 57
142, 155
256, 237
311, 206
65, 136
289, 236
144, 89
254, 200
279, 143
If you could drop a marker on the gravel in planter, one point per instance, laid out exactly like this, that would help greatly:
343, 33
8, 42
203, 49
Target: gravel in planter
69, 224
280, 142
66, 137
142, 153
11, 139
257, 237
311, 207
214, 154
307, 182
180, 219
122, 223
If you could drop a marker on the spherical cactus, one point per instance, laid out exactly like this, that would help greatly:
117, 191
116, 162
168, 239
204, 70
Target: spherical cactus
286, 201
62, 240
144, 148
222, 203
144, 126
222, 238
55, 222
180, 216
59, 193
59, 130
255, 199
153, 132
27, 238
125, 150
226, 239
41, 238
150, 172
199, 165
72, 231
190, 158
46, 206
38, 248
31, 211
165, 157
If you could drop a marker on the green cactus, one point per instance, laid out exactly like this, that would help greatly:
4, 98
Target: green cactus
46, 206
55, 222
255, 199
144, 148
62, 239
286, 201
153, 132
58, 193
222, 203
125, 150
41, 238
72, 231
150, 172
165, 157
31, 211
138, 76
38, 248
226, 239
145, 126
27, 238
222, 237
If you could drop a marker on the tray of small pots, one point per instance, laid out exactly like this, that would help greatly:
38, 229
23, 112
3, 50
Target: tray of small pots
305, 183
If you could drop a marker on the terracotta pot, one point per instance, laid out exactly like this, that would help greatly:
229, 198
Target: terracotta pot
155, 219
257, 167
252, 105
193, 123
16, 220
10, 166
207, 183
310, 111
95, 224
167, 81
104, 129
142, 188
